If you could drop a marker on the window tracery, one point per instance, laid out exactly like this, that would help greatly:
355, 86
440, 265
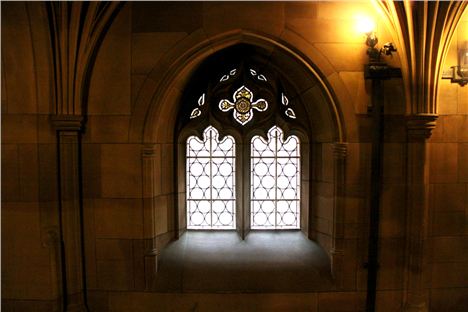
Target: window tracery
271, 199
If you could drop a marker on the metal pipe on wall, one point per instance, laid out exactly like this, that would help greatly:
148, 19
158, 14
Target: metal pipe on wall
377, 72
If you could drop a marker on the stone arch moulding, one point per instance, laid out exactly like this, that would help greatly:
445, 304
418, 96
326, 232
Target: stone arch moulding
158, 103
159, 94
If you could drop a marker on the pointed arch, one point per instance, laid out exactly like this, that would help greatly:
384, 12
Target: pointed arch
162, 90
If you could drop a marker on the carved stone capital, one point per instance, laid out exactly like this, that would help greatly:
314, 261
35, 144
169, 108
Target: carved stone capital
420, 126
67, 122
340, 150
148, 150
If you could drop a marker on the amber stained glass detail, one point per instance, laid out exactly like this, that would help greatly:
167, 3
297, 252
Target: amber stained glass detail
243, 105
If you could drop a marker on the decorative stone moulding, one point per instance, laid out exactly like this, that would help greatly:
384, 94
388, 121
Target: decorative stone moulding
420, 126
67, 122
340, 150
243, 105
149, 150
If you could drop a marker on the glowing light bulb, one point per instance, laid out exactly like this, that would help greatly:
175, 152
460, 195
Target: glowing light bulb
365, 25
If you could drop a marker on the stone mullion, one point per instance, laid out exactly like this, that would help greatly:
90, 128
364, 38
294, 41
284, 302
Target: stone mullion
337, 251
70, 212
418, 130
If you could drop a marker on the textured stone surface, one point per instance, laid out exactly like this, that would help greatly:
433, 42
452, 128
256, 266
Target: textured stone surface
129, 205
444, 162
265, 18
118, 218
120, 170
148, 48
18, 61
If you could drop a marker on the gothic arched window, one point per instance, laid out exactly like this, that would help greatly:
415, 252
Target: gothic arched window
244, 154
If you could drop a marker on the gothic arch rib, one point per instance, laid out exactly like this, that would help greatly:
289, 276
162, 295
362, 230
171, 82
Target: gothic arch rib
423, 32
76, 30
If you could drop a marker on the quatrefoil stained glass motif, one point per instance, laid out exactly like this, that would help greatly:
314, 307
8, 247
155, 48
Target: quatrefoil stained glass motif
243, 105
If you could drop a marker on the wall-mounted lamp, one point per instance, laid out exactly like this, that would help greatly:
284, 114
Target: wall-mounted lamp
459, 73
367, 26
376, 68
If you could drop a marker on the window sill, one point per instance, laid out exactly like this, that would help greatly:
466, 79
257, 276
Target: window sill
266, 261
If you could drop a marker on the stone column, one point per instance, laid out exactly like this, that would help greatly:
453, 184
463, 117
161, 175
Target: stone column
70, 211
51, 240
337, 252
150, 191
419, 129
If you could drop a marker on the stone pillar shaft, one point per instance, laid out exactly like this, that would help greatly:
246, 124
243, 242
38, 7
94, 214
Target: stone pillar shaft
337, 252
150, 166
70, 212
419, 129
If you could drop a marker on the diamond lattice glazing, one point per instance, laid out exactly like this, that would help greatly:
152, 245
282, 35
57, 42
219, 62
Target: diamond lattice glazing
275, 181
210, 181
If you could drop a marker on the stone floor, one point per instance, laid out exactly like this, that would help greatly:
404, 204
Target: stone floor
266, 261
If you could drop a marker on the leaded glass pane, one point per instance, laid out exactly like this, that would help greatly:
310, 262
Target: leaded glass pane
275, 181
210, 181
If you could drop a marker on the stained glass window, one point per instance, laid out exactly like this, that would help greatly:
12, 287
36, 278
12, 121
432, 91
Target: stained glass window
210, 181
243, 105
275, 181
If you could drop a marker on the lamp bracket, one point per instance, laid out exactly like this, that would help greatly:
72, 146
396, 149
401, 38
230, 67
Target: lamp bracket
455, 75
388, 49
380, 70
374, 53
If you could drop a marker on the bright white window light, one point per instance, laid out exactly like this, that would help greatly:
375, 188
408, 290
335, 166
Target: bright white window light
275, 182
210, 181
